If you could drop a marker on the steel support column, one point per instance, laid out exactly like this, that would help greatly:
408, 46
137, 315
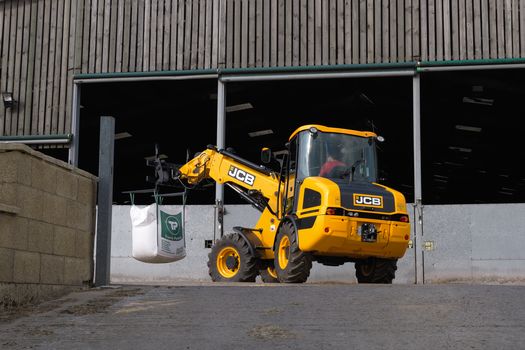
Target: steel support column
418, 205
221, 137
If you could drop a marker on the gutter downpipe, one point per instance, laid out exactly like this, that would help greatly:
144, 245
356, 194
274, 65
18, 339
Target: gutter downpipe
75, 125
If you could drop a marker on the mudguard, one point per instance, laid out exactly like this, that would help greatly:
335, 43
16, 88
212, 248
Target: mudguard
289, 218
250, 236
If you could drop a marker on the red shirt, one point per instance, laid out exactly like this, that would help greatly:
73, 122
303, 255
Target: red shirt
329, 165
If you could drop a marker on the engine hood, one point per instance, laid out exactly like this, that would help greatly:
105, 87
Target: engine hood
366, 196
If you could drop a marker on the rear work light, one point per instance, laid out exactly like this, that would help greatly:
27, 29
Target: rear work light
335, 211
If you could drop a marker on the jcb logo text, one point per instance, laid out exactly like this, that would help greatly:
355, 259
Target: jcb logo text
368, 200
241, 175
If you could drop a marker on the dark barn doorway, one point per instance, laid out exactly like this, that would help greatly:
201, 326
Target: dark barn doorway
470, 127
472, 137
181, 117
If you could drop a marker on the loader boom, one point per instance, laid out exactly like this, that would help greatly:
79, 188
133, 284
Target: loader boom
255, 183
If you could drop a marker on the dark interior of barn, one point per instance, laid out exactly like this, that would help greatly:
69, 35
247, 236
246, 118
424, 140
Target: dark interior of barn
470, 128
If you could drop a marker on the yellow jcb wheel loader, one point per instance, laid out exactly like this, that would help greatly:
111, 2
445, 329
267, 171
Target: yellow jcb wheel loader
308, 214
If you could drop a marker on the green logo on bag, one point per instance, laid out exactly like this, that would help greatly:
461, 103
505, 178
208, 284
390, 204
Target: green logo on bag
171, 226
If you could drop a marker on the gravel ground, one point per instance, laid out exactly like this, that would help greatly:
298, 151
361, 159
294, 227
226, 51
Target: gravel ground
274, 316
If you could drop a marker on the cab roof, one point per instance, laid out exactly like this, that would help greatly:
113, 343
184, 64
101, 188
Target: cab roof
323, 128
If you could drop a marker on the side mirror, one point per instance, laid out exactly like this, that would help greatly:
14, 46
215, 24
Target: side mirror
383, 176
266, 155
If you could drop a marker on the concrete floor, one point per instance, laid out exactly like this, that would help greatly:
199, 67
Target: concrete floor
273, 316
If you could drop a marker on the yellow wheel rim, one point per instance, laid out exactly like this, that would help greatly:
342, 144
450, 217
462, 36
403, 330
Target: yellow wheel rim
228, 262
284, 251
271, 271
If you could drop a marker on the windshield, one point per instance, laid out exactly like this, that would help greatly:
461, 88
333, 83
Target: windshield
336, 156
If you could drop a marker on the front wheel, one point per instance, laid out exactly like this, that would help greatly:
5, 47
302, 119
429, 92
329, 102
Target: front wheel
291, 264
230, 260
376, 270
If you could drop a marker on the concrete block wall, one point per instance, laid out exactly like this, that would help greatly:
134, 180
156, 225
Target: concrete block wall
47, 225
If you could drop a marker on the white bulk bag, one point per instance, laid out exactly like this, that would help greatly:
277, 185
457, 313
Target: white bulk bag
157, 234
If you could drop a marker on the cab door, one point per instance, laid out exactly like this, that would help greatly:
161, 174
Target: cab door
290, 180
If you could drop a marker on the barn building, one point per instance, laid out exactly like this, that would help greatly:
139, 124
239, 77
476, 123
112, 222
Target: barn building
441, 80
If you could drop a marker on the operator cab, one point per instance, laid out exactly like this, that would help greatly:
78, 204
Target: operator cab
346, 157
336, 154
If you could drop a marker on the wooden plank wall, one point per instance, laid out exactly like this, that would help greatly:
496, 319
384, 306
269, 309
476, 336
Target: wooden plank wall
330, 32
36, 64
44, 42
148, 35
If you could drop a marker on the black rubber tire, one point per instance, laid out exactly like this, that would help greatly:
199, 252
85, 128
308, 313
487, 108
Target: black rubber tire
299, 263
376, 270
266, 276
247, 263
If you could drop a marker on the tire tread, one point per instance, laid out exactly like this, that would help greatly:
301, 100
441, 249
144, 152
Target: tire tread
299, 262
384, 271
248, 270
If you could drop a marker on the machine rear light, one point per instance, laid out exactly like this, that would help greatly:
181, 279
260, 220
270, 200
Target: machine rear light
330, 211
327, 229
335, 211
403, 218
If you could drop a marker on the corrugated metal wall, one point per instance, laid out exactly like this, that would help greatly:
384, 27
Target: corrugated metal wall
44, 42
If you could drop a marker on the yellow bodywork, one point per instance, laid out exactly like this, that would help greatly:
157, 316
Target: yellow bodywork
336, 235
333, 235
330, 235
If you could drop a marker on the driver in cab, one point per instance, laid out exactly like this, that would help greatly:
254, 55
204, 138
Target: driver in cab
332, 162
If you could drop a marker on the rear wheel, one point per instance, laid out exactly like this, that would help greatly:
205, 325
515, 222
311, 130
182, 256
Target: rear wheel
376, 270
268, 274
230, 260
291, 264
